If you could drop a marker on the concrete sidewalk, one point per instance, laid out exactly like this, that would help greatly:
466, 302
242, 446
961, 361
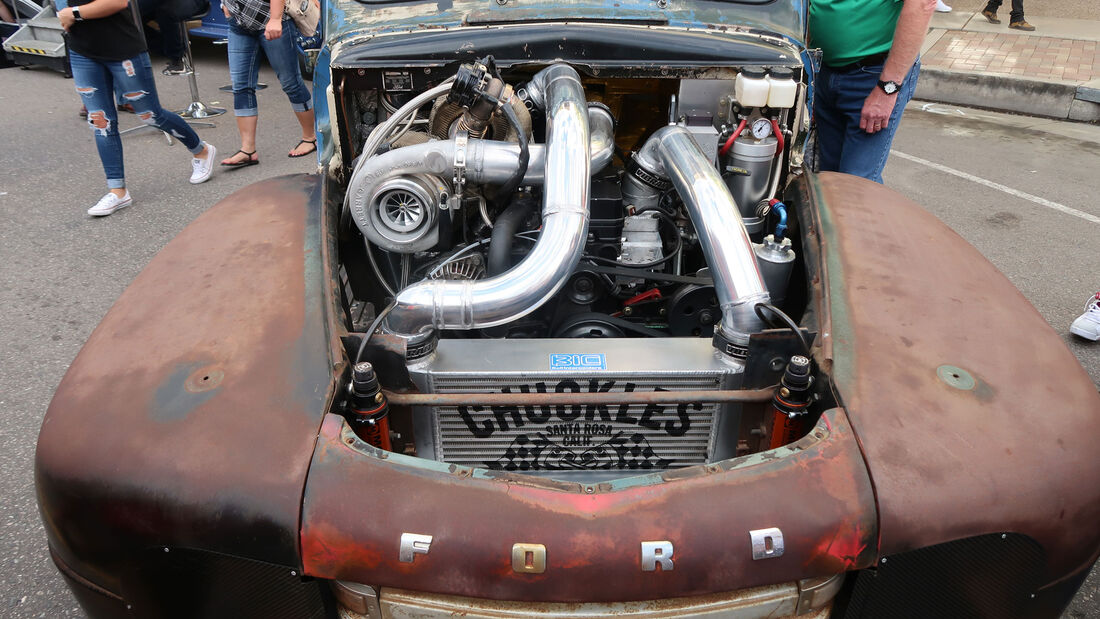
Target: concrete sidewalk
1052, 72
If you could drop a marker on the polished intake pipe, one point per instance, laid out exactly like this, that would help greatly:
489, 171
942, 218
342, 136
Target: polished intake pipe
487, 161
442, 304
672, 153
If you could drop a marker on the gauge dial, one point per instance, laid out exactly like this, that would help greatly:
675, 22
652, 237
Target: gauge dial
761, 128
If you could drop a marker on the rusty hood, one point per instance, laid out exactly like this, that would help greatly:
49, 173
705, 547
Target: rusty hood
189, 417
972, 414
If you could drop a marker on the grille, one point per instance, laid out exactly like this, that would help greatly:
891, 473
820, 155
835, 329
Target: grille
575, 438
187, 583
985, 576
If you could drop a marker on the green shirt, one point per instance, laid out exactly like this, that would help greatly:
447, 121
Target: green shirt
847, 30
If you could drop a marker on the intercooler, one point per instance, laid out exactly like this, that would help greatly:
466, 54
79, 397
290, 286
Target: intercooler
575, 441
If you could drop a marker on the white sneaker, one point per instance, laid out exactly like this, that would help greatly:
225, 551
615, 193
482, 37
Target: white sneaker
1087, 325
941, 7
109, 204
201, 169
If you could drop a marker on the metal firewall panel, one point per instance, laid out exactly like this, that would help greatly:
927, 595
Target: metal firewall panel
574, 441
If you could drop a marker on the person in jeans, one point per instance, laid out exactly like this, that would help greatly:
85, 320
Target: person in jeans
256, 25
1087, 325
868, 73
107, 52
1015, 18
169, 15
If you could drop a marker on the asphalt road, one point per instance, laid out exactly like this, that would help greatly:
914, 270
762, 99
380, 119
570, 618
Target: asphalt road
60, 271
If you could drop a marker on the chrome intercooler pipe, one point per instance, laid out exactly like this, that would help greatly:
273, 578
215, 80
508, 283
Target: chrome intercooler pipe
672, 153
441, 304
487, 161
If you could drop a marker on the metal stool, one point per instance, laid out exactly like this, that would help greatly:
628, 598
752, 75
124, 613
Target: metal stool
197, 109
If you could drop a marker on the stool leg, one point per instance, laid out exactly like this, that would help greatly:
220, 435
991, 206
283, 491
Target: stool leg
197, 109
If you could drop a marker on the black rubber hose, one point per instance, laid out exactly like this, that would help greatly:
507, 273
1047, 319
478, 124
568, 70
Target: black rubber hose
510, 185
504, 231
373, 327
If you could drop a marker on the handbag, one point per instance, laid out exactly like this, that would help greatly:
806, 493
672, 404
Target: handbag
306, 15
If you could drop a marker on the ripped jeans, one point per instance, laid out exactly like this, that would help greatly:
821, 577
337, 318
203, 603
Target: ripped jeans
96, 82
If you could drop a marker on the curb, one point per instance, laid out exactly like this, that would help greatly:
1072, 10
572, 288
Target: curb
1053, 99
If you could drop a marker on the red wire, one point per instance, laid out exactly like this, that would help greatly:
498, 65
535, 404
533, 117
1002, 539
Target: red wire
729, 141
778, 136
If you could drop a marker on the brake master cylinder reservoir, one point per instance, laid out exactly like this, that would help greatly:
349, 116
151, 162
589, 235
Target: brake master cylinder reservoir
751, 88
781, 88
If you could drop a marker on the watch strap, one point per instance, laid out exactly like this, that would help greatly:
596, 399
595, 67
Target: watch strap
889, 87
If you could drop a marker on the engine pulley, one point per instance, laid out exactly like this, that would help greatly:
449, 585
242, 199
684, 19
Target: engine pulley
693, 311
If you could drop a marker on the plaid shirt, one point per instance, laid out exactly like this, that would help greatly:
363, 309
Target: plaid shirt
249, 14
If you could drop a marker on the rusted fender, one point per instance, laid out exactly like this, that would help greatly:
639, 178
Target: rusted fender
973, 415
189, 418
360, 500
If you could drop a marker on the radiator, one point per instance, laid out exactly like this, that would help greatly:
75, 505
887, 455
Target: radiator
562, 440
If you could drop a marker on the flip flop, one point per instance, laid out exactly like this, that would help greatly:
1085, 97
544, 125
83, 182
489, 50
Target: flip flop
242, 164
300, 142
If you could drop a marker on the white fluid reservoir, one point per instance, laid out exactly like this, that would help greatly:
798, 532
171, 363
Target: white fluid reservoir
751, 87
781, 88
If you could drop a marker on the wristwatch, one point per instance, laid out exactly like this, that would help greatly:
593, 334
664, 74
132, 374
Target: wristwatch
889, 88
76, 14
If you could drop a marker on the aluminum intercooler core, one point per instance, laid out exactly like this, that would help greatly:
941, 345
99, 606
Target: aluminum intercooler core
575, 441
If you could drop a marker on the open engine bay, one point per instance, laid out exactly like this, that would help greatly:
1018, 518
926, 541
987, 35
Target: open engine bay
583, 276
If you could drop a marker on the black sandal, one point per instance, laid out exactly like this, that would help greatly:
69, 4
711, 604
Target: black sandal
300, 142
242, 164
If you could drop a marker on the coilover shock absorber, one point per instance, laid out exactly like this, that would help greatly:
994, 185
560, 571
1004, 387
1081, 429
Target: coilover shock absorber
368, 409
790, 402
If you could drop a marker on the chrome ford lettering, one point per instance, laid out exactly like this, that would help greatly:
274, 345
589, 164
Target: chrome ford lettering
766, 543
657, 553
413, 544
528, 558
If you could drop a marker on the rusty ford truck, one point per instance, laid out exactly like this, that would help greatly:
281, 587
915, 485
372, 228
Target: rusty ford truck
567, 326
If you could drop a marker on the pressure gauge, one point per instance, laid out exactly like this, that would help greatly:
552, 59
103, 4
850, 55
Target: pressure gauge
761, 128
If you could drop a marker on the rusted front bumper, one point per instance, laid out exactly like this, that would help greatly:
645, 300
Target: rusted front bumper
807, 599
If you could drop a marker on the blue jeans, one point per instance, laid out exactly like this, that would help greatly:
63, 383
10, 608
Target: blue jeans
838, 103
244, 67
1017, 13
166, 13
96, 82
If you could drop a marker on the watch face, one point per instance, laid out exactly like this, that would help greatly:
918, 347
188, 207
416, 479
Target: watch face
889, 87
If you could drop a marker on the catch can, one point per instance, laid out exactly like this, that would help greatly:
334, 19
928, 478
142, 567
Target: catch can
776, 260
747, 175
368, 410
751, 88
781, 88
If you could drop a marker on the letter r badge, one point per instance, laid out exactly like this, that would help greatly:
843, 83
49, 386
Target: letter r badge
413, 544
657, 553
